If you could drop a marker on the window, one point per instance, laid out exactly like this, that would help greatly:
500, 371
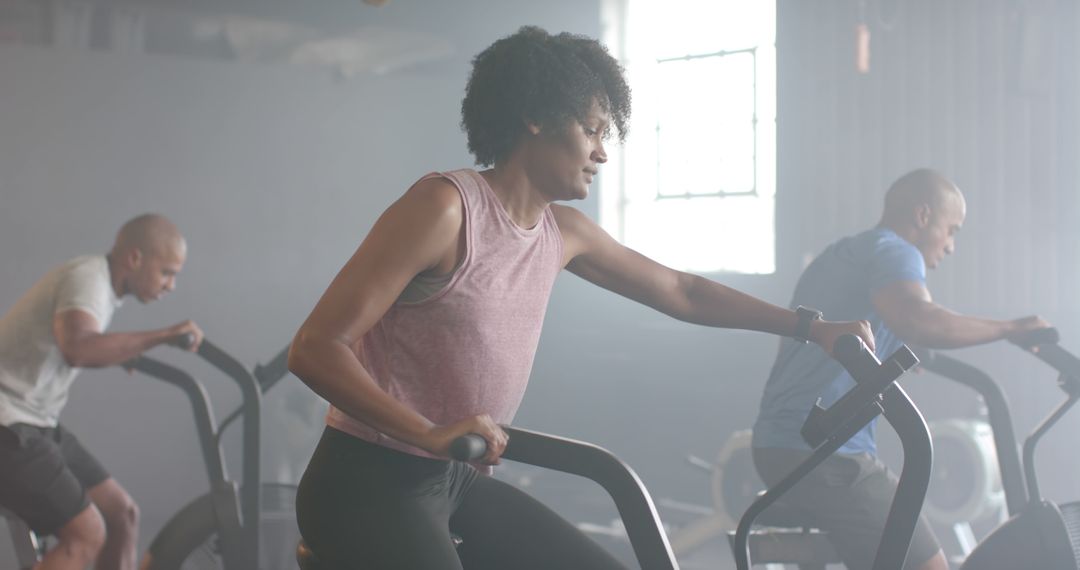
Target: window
694, 185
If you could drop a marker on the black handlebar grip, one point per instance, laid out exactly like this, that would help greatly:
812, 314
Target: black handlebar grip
850, 351
1038, 336
184, 341
468, 447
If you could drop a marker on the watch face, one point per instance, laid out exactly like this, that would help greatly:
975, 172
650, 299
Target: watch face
802, 328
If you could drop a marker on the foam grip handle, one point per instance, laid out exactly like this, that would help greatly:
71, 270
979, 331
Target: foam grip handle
184, 341
468, 447
1037, 337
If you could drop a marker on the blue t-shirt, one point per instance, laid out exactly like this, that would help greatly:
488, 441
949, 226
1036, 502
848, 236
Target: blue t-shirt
839, 283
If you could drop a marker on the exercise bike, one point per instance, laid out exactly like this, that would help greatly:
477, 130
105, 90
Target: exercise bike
227, 527
25, 546
210, 531
826, 430
971, 471
635, 506
1039, 533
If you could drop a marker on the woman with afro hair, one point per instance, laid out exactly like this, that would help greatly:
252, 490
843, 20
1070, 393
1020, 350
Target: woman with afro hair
429, 331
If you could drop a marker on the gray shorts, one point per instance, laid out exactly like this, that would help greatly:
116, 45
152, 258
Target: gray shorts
45, 474
849, 497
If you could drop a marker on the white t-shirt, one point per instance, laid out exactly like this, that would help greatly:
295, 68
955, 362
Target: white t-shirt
34, 377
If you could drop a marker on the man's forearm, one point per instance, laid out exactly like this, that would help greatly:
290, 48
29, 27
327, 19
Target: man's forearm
97, 350
937, 327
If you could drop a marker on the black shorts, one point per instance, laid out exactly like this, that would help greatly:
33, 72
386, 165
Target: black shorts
44, 475
849, 497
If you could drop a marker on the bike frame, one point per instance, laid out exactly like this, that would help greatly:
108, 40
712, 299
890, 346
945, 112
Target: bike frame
236, 510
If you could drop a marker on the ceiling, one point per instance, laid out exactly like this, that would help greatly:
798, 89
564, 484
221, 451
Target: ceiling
349, 38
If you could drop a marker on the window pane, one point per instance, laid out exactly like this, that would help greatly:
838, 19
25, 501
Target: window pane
694, 184
705, 234
706, 117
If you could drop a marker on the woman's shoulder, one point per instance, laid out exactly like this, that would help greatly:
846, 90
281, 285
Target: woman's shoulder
427, 201
570, 218
578, 231
435, 188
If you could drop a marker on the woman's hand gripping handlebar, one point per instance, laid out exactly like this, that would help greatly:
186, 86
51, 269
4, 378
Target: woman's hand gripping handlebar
861, 403
468, 447
828, 335
476, 440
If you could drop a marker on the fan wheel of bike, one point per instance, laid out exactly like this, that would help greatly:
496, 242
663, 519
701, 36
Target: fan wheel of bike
190, 541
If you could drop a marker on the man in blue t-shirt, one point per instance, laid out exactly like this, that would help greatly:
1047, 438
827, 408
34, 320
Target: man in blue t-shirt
879, 276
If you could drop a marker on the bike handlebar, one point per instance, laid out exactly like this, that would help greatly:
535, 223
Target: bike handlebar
468, 447
872, 378
1043, 343
998, 415
184, 341
632, 500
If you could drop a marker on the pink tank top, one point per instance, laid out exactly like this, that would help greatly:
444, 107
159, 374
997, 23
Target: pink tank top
469, 348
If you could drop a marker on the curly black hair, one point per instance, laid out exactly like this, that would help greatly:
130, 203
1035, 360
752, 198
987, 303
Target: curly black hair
541, 78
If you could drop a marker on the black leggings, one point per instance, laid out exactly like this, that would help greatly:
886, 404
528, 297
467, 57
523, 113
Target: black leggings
364, 506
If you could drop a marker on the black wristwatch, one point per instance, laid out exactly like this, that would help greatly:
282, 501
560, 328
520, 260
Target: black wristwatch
802, 328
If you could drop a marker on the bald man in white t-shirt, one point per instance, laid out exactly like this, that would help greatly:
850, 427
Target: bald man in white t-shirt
46, 477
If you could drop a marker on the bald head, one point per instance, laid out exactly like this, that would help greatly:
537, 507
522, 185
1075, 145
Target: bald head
152, 234
914, 190
148, 255
926, 209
